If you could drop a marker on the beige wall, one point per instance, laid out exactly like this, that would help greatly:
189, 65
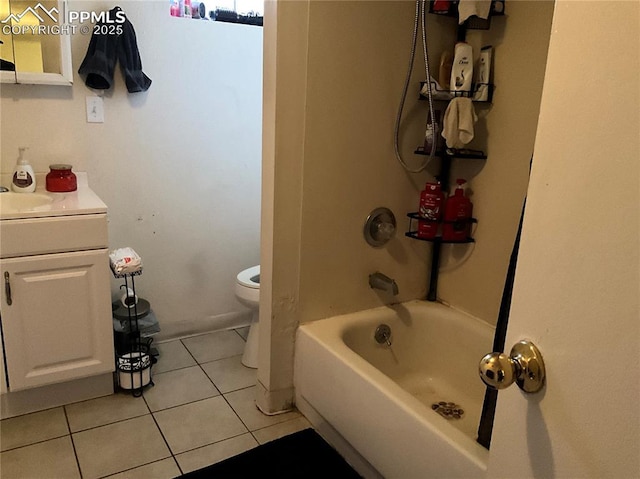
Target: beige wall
338, 71
473, 276
285, 56
333, 75
356, 66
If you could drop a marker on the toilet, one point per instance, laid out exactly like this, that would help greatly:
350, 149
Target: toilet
248, 293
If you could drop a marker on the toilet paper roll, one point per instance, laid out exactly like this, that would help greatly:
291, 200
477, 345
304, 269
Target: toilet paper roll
128, 299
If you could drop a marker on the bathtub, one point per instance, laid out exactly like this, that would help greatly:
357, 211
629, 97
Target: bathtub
379, 398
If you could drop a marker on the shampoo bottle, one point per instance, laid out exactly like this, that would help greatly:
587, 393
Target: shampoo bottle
446, 64
462, 70
484, 71
457, 215
24, 179
431, 201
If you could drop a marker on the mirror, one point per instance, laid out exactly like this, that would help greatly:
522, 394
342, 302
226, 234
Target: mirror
35, 48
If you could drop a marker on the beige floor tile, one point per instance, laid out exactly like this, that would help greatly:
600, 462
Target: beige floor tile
244, 332
165, 469
212, 346
173, 355
230, 374
117, 447
198, 424
35, 427
243, 403
207, 455
49, 459
105, 410
178, 387
277, 431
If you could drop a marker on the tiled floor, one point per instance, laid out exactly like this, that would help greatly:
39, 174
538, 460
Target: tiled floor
200, 411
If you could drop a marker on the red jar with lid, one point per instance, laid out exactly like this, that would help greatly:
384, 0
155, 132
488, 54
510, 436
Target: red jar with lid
61, 179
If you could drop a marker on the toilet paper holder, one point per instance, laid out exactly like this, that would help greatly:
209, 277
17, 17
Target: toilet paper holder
129, 299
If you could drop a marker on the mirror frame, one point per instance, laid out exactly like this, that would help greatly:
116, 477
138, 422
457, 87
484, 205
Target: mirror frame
65, 78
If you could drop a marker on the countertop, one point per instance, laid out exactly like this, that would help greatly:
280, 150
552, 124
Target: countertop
80, 202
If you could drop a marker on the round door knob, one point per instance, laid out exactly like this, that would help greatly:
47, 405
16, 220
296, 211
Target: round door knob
524, 366
497, 370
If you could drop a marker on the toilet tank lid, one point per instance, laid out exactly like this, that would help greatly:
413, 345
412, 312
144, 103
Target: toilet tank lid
250, 277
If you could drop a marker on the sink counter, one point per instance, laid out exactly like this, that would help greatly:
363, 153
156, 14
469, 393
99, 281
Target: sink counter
56, 303
43, 203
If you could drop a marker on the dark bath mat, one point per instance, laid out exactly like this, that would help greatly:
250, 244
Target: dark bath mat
300, 455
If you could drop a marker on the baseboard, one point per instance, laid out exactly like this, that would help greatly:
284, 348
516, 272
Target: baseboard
272, 403
182, 329
54, 395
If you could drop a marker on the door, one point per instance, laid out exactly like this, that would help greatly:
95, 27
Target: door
58, 326
576, 289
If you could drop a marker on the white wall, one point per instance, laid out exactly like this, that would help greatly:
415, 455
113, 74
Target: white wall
178, 166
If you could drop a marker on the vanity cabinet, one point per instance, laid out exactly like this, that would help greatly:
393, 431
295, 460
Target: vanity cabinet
56, 299
57, 327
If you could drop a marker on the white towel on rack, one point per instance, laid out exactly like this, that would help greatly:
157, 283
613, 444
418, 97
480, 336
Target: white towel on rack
467, 8
458, 122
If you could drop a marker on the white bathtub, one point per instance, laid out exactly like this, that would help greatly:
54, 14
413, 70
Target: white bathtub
379, 398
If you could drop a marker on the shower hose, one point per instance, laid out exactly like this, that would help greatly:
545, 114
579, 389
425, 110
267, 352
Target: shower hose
420, 18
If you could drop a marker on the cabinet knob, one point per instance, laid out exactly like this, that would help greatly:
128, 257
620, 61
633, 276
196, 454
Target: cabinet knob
524, 366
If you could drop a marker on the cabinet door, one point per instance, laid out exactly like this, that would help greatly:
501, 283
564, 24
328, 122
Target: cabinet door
58, 326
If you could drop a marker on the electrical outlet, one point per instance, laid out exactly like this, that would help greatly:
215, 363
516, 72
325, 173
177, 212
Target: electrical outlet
95, 109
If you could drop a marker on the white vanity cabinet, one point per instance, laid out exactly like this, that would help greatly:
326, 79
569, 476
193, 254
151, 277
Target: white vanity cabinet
55, 300
58, 325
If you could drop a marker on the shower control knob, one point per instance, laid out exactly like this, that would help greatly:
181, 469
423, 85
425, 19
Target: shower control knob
524, 366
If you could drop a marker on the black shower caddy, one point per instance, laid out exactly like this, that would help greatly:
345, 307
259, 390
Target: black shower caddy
447, 155
472, 23
139, 359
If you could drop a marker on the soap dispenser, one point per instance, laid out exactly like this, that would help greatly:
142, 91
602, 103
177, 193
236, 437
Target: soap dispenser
24, 179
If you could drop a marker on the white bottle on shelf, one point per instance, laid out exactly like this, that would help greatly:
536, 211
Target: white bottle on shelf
484, 71
24, 179
462, 70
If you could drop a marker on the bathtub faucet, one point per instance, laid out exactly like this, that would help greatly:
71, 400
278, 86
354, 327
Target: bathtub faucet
378, 280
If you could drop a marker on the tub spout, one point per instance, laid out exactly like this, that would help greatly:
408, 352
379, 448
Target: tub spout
378, 280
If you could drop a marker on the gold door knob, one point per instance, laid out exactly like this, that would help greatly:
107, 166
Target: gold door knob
524, 366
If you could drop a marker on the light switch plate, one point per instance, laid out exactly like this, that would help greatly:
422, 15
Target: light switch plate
95, 109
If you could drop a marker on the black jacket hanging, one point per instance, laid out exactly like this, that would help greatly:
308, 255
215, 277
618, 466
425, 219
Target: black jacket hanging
103, 52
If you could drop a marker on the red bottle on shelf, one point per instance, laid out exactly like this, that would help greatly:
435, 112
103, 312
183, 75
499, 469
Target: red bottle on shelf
431, 205
441, 6
457, 215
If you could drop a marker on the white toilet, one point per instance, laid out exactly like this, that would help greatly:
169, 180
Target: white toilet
248, 293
